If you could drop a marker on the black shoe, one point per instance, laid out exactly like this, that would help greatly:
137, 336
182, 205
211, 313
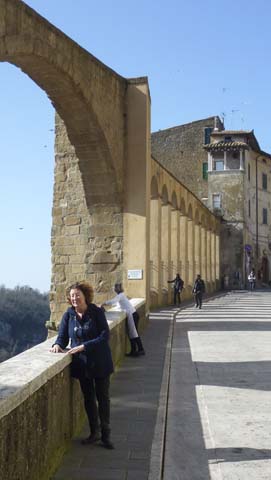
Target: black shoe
92, 438
106, 442
140, 352
131, 354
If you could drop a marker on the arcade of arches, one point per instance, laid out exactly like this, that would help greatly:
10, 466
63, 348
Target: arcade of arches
184, 238
114, 208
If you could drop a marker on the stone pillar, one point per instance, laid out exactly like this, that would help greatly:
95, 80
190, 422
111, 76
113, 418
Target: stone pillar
175, 242
204, 254
191, 252
136, 216
197, 249
217, 264
210, 162
213, 259
86, 239
242, 154
225, 160
208, 259
155, 251
184, 250
165, 252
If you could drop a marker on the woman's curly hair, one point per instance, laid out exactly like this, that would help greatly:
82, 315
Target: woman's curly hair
85, 288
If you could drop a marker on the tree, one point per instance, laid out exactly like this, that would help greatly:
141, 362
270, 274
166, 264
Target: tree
23, 313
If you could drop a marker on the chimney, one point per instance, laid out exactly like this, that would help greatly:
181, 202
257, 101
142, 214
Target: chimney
216, 129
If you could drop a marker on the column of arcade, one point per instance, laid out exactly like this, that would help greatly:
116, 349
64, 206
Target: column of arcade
179, 244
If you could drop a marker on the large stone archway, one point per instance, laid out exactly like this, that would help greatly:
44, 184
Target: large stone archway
98, 113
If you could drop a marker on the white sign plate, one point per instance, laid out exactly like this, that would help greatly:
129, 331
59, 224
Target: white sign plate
135, 274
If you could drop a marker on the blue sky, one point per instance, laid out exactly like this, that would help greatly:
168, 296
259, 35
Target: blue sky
202, 58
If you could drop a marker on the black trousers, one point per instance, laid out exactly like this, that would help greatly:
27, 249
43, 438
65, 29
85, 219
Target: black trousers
198, 298
96, 391
136, 319
177, 296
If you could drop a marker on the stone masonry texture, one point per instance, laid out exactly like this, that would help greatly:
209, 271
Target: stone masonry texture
180, 150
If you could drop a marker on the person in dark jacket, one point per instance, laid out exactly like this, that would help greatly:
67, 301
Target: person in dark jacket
177, 288
85, 326
198, 290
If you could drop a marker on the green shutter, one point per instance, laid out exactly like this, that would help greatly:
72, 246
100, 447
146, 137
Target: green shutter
205, 171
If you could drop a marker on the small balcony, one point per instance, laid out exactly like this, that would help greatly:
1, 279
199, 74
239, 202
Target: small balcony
226, 156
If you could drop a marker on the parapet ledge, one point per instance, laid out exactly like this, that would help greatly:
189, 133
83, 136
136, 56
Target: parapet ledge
25, 373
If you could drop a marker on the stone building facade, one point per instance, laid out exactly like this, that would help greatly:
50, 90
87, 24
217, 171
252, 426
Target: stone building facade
230, 173
239, 190
180, 150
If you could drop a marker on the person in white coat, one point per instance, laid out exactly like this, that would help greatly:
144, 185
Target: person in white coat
132, 320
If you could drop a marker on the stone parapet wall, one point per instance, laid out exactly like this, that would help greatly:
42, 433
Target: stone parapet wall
41, 406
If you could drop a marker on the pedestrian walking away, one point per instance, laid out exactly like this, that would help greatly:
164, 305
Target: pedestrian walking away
178, 286
252, 279
84, 325
132, 320
198, 291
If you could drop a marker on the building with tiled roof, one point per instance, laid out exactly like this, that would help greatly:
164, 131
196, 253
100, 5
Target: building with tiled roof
230, 173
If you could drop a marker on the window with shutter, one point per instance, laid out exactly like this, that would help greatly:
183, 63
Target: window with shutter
205, 171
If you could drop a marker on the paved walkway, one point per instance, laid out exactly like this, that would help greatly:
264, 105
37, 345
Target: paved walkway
135, 392
219, 413
216, 421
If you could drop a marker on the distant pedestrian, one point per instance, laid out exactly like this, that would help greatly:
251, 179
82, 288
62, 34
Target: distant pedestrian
252, 279
198, 290
177, 288
132, 320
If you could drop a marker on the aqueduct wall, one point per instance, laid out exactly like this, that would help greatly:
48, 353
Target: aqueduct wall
114, 209
102, 124
105, 219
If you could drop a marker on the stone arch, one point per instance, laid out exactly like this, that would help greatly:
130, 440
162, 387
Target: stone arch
190, 212
203, 220
164, 195
154, 188
174, 201
182, 206
197, 216
95, 127
69, 77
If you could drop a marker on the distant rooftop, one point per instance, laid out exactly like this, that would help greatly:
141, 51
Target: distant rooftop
229, 146
233, 132
208, 119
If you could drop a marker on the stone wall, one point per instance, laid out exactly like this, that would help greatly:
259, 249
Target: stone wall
87, 243
180, 150
231, 187
36, 425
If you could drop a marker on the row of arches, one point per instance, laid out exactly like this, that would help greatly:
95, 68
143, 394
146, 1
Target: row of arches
184, 238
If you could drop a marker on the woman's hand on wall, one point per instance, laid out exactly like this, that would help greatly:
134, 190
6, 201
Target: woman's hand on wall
56, 349
78, 349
